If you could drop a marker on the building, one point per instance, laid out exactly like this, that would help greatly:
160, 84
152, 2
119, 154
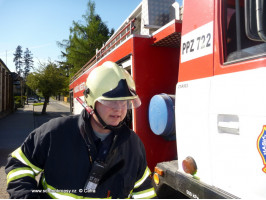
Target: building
18, 89
6, 90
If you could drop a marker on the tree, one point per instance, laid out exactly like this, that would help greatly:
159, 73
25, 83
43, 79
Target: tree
84, 39
28, 62
48, 80
18, 60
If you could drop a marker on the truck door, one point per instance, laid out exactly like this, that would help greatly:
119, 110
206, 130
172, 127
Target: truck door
237, 105
194, 85
126, 63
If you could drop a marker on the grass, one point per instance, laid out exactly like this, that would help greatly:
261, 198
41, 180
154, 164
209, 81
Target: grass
37, 104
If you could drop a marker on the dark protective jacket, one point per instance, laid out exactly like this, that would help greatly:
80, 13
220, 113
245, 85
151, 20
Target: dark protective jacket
63, 152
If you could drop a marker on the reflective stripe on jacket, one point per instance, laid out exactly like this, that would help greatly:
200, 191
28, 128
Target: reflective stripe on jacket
58, 151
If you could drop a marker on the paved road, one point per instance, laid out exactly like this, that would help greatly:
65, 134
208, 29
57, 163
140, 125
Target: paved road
54, 109
15, 128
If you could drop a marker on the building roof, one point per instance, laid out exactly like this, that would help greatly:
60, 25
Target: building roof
4, 65
15, 76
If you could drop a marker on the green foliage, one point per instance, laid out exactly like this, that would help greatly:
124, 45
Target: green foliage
17, 100
33, 81
83, 40
48, 80
38, 104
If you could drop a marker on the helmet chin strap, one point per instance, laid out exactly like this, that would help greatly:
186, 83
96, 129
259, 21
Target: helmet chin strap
106, 126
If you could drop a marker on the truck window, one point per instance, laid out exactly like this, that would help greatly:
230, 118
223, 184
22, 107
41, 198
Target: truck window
237, 45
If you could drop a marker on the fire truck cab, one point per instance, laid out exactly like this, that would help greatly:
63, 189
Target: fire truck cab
200, 73
220, 109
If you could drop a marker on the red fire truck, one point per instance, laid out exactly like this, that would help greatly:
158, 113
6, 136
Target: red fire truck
199, 72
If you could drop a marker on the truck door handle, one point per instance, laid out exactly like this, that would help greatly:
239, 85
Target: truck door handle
227, 123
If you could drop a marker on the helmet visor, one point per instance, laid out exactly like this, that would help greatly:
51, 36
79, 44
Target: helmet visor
121, 104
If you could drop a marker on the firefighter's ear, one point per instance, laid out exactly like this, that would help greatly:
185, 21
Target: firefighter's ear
86, 92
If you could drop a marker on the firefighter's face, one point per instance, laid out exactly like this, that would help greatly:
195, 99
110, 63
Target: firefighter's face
111, 115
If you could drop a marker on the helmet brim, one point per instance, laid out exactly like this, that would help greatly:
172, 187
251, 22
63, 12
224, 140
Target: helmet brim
121, 103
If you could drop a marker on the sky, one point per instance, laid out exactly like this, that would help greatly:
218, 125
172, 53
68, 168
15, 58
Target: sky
39, 24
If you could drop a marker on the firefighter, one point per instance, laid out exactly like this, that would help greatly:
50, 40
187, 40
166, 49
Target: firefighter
93, 155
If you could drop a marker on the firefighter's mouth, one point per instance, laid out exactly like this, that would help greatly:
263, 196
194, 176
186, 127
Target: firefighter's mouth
115, 116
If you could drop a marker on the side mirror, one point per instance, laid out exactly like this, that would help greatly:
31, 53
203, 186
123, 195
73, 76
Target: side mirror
255, 19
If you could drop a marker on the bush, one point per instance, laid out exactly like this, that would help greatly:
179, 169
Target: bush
17, 100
